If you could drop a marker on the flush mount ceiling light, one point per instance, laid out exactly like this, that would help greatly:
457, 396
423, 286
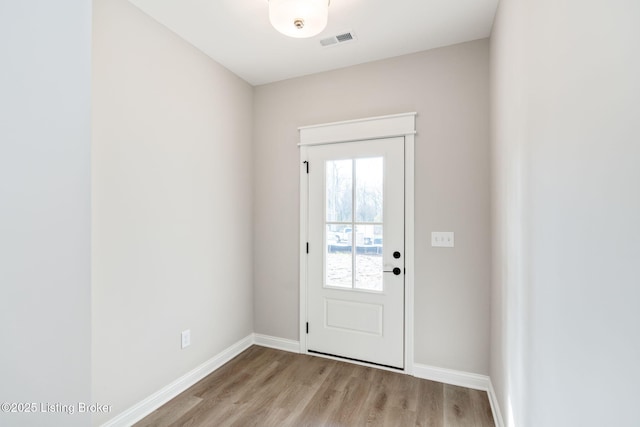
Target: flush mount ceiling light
299, 18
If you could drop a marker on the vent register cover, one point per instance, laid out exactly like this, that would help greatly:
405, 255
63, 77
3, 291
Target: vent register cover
341, 38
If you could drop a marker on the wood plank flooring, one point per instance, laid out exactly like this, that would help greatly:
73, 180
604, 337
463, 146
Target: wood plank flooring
263, 387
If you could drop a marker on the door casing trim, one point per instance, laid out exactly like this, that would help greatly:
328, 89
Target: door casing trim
360, 130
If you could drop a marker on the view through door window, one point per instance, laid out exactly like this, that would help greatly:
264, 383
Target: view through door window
354, 226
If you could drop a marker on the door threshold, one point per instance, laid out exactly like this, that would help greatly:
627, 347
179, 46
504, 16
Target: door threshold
360, 361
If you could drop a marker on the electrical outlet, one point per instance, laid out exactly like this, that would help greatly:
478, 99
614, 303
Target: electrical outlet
186, 338
442, 239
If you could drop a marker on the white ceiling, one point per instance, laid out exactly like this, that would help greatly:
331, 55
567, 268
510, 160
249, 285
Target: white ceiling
238, 35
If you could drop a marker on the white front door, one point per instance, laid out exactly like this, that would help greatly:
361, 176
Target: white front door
355, 294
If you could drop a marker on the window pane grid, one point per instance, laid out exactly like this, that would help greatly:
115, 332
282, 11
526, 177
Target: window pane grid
353, 224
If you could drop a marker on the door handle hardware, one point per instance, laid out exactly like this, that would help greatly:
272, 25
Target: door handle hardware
395, 271
396, 255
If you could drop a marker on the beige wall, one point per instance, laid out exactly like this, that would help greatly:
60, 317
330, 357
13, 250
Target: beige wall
45, 200
566, 147
171, 190
448, 88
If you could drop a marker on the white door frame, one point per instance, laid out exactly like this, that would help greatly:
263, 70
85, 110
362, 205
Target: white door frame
402, 125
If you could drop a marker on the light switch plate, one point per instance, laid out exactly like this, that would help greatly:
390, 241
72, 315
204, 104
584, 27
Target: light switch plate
442, 239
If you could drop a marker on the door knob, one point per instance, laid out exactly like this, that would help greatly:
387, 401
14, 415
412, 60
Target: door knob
395, 271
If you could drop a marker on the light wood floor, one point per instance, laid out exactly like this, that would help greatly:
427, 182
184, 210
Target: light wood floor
263, 387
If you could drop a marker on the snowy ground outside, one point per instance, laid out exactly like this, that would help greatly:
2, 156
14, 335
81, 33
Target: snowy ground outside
368, 271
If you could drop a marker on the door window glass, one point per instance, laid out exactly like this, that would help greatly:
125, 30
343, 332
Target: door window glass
354, 243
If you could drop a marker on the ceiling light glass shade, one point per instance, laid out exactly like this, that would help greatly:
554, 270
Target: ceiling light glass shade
299, 18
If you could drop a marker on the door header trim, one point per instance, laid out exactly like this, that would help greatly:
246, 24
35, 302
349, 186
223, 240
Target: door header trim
357, 130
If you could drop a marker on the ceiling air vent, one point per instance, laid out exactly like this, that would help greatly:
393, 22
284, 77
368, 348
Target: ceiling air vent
343, 37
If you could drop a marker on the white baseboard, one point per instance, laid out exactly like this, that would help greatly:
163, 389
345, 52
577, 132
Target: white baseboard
277, 343
453, 377
495, 406
162, 396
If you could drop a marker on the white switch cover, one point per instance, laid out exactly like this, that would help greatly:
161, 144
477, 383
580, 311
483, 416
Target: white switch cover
186, 338
442, 239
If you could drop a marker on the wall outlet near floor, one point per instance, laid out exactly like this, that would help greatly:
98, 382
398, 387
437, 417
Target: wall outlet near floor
186, 338
442, 239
